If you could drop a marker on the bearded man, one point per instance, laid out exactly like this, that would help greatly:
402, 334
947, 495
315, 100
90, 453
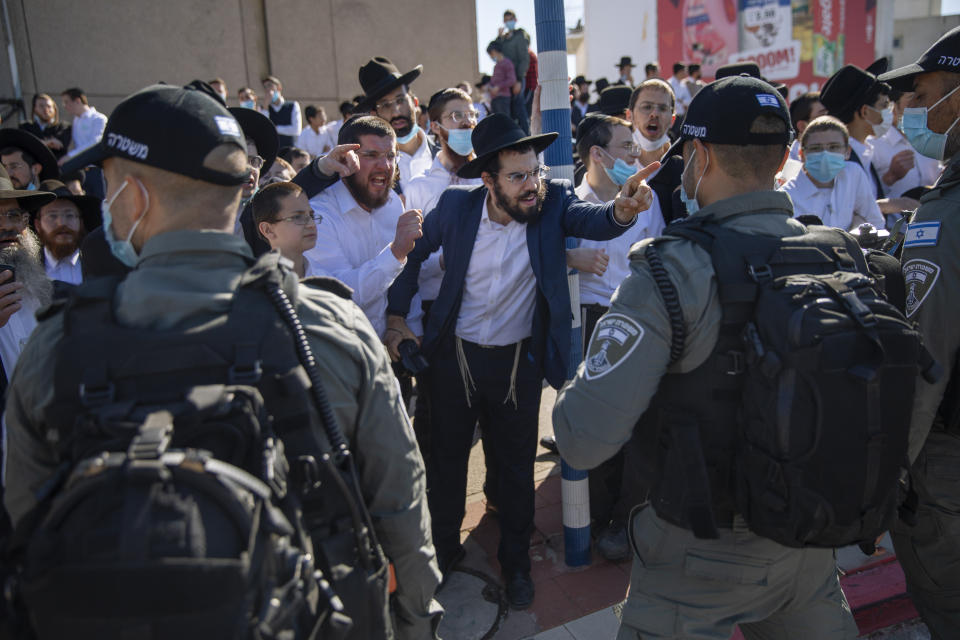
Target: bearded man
500, 325
24, 286
61, 225
363, 233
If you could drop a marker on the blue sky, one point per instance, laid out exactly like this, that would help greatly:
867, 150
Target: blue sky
490, 18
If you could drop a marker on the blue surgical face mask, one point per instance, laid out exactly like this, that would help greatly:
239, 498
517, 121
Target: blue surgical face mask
410, 136
510, 25
913, 124
31, 187
460, 141
620, 172
275, 95
692, 204
122, 250
248, 104
823, 166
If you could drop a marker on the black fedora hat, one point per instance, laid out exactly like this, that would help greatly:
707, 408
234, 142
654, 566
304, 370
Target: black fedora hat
752, 69
484, 81
625, 61
582, 80
34, 146
879, 66
601, 84
379, 77
495, 133
89, 206
261, 130
29, 200
614, 100
846, 90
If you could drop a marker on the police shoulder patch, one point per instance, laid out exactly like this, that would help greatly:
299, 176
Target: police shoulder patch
922, 234
615, 338
920, 276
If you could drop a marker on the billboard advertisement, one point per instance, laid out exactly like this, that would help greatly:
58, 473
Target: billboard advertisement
800, 43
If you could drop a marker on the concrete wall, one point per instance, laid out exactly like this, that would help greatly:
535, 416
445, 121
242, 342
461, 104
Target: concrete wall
111, 48
912, 37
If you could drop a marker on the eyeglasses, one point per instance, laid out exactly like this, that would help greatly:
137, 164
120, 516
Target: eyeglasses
462, 116
631, 148
833, 147
255, 161
521, 177
14, 166
66, 217
14, 216
300, 219
390, 105
647, 108
376, 155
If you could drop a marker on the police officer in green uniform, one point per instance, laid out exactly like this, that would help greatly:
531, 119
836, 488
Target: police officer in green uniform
734, 140
929, 551
174, 160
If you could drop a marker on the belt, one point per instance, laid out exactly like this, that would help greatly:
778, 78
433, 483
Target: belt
723, 518
492, 347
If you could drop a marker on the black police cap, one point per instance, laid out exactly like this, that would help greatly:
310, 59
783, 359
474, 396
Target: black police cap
724, 111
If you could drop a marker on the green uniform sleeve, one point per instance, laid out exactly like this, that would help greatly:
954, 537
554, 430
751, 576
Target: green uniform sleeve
393, 482
629, 353
932, 274
30, 456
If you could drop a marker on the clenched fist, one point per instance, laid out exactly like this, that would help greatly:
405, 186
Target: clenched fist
588, 260
409, 228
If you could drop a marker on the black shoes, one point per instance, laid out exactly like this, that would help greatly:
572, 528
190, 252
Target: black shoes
519, 589
550, 444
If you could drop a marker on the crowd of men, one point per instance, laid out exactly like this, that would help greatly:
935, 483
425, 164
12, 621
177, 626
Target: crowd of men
443, 224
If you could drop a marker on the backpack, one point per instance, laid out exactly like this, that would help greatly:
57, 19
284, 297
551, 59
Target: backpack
205, 491
813, 375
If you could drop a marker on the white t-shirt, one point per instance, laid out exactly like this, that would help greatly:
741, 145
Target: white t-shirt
851, 194
924, 172
596, 289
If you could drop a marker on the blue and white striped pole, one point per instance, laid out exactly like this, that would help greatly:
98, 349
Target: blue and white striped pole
555, 107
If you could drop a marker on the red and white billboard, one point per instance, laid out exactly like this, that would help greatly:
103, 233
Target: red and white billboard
798, 42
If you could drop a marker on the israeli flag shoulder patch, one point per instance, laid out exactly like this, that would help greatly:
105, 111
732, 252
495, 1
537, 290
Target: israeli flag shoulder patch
922, 234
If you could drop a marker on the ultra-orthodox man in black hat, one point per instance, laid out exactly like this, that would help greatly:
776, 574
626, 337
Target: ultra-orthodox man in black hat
387, 94
499, 325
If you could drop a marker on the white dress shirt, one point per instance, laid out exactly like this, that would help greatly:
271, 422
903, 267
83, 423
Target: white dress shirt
414, 165
316, 143
851, 194
353, 245
66, 270
924, 172
865, 154
499, 291
292, 129
795, 150
681, 94
423, 192
596, 289
86, 131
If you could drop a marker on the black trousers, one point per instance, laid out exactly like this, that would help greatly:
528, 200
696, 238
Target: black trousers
510, 434
612, 492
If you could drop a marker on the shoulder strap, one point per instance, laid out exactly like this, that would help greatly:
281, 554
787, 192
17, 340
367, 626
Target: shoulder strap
668, 292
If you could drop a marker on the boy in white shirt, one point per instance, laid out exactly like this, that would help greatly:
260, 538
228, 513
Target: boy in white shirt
837, 192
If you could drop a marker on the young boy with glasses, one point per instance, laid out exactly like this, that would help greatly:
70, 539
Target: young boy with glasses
284, 219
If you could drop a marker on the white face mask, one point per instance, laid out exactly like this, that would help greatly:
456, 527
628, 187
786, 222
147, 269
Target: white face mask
880, 129
650, 145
